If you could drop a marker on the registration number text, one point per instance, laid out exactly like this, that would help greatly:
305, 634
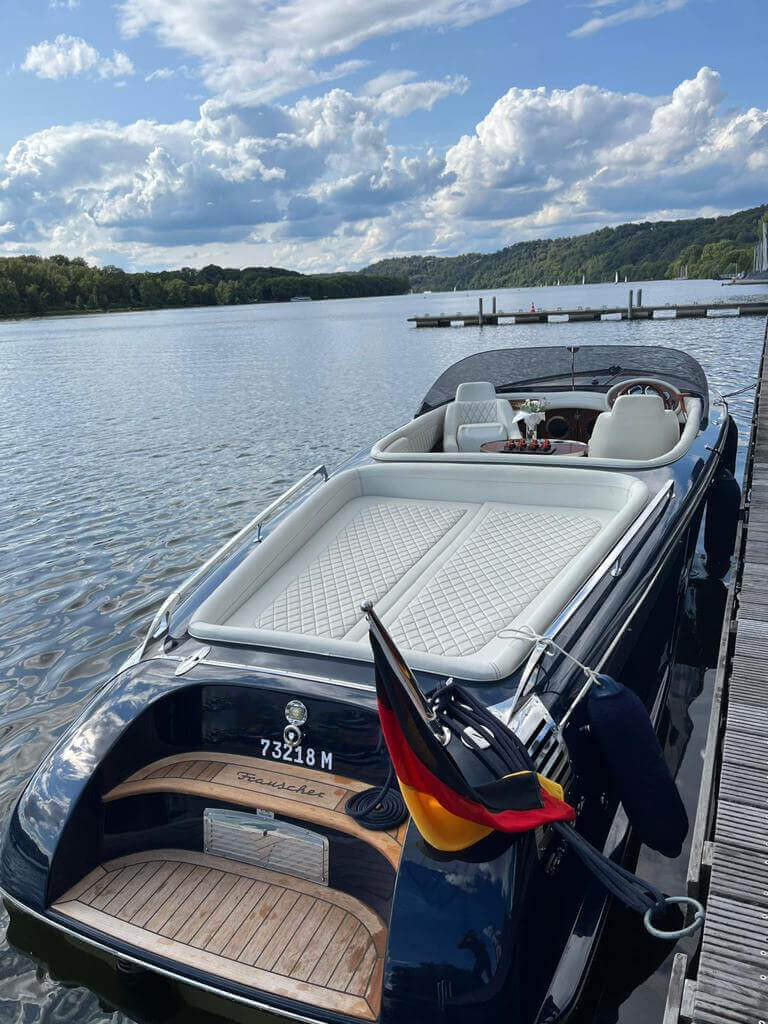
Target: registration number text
276, 750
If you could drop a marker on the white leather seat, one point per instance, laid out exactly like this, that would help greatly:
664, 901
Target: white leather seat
475, 417
638, 427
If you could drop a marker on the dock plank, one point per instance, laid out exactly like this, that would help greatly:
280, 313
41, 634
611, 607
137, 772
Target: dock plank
729, 982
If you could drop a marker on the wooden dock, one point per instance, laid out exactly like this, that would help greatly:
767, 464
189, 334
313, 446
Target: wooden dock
494, 317
727, 982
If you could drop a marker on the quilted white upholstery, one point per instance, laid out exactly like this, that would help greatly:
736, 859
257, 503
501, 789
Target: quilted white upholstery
384, 450
450, 555
638, 427
362, 562
420, 435
425, 437
509, 558
472, 436
476, 403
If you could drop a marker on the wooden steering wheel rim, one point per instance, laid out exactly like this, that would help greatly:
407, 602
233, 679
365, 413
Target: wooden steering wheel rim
657, 386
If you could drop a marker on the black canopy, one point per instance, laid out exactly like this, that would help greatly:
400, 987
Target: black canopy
510, 369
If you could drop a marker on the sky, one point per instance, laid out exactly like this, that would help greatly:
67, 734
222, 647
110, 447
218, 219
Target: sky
326, 134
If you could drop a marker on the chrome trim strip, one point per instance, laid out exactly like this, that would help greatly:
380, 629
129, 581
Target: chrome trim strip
161, 622
164, 971
283, 673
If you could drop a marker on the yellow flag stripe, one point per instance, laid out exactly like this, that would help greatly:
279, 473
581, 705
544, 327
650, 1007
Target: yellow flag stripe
441, 829
447, 832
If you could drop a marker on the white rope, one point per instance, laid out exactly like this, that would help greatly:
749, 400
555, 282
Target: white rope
529, 633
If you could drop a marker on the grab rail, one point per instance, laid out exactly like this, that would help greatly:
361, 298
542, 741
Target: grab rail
170, 604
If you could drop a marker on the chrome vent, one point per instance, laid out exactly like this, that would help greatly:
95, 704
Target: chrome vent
533, 724
261, 840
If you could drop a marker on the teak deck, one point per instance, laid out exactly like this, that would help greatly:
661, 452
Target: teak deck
729, 851
258, 928
286, 789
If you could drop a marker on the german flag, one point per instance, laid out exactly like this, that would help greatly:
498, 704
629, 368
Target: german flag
450, 813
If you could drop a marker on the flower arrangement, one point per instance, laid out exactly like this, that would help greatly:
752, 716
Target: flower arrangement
532, 413
533, 405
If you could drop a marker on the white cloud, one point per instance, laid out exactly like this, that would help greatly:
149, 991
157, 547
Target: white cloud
387, 80
159, 74
319, 184
553, 161
294, 172
401, 99
639, 11
67, 5
277, 47
68, 56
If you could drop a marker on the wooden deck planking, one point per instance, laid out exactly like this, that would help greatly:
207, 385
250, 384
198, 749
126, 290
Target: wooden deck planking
289, 790
729, 983
286, 936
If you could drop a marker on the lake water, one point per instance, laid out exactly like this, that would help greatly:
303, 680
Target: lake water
133, 444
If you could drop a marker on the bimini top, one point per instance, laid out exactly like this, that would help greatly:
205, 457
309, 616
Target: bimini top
596, 365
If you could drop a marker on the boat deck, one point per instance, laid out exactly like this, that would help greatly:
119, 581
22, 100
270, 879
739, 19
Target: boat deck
258, 928
288, 790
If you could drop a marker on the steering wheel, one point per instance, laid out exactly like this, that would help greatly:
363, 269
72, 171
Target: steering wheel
670, 396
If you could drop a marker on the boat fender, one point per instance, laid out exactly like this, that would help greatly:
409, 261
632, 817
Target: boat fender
631, 751
723, 503
730, 446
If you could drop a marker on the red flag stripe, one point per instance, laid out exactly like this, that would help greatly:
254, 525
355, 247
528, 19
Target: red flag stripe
412, 772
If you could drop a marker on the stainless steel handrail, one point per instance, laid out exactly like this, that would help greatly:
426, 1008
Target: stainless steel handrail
162, 617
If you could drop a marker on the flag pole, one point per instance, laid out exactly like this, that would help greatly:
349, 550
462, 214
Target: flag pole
402, 672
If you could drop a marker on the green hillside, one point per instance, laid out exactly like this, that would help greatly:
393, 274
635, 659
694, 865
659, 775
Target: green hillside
32, 285
709, 246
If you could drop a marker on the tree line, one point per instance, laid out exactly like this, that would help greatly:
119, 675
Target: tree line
703, 247
32, 285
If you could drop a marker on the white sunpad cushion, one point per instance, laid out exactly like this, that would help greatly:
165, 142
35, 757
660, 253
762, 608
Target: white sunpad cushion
508, 559
363, 562
451, 555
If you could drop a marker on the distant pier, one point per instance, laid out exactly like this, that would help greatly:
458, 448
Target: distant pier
494, 317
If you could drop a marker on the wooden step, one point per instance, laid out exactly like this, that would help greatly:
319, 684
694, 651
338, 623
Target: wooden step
290, 790
271, 932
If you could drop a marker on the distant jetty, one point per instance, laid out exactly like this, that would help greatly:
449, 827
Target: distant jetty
633, 310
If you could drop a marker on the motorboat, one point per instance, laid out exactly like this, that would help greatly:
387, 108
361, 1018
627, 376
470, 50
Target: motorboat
539, 513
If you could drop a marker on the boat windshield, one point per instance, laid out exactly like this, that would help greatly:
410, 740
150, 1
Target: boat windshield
599, 366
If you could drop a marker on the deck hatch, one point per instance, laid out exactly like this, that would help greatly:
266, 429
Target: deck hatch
262, 840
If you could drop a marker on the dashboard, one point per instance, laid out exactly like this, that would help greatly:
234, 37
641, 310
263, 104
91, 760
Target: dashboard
572, 424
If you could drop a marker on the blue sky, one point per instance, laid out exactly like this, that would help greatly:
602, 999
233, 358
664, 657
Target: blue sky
322, 135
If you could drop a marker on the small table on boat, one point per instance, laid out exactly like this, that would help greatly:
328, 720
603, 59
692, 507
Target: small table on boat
573, 448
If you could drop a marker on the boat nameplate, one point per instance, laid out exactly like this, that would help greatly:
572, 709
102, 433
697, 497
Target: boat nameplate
266, 842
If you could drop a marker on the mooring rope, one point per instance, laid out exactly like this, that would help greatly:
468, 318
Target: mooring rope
459, 709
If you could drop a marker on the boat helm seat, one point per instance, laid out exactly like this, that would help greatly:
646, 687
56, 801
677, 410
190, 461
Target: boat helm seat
475, 417
638, 427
